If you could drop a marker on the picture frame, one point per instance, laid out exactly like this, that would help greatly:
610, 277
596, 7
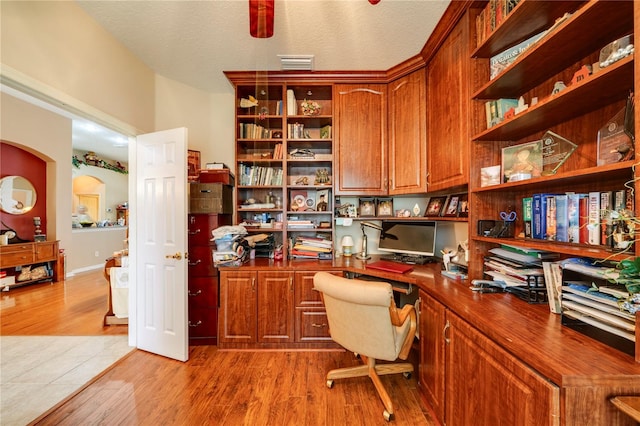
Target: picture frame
434, 206
193, 165
521, 162
384, 207
451, 206
463, 205
367, 207
322, 200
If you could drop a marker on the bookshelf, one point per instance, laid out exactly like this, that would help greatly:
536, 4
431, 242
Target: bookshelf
284, 158
576, 113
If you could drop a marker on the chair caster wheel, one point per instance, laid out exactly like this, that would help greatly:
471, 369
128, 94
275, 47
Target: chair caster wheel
407, 375
329, 384
388, 416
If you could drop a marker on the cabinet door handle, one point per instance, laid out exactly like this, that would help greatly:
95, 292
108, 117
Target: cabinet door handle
194, 232
318, 325
253, 284
290, 283
194, 294
194, 325
444, 332
195, 263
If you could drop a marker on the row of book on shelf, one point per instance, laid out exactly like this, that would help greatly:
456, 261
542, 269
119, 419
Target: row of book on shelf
250, 175
577, 288
318, 247
491, 16
594, 218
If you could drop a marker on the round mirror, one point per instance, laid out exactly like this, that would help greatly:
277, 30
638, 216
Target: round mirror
17, 195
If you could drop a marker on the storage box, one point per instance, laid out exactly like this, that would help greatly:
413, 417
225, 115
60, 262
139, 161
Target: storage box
210, 198
217, 176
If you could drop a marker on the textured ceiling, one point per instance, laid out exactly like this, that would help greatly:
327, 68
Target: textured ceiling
195, 41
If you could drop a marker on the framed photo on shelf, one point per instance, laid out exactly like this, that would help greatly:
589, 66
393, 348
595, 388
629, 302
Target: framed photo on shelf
451, 206
521, 162
463, 205
367, 207
193, 165
322, 200
434, 206
385, 207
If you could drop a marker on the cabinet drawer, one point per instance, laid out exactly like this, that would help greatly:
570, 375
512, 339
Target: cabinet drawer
202, 322
210, 198
305, 295
201, 262
15, 258
45, 251
312, 325
201, 225
203, 292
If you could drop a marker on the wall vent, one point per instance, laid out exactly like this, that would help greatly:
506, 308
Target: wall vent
296, 62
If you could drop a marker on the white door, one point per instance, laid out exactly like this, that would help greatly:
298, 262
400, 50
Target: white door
158, 243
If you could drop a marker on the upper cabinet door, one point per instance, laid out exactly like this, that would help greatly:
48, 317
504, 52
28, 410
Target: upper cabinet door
408, 134
360, 121
448, 111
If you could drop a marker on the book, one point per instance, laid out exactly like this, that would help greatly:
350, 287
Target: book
593, 223
606, 221
562, 218
540, 215
502, 60
583, 219
551, 218
553, 281
292, 106
573, 217
527, 216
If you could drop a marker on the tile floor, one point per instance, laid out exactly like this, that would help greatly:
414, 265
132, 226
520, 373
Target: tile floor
37, 372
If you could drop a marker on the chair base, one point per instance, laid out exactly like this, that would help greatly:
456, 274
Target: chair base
374, 371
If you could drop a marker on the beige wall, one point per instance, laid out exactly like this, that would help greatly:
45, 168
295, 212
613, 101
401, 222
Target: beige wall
209, 118
58, 46
92, 246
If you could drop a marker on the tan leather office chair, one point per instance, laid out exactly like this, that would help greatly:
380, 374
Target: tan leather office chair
363, 318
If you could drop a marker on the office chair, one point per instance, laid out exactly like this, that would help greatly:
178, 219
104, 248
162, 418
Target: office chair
363, 319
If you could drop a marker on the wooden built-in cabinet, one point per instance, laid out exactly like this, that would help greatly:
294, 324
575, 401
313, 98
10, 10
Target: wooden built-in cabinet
361, 139
408, 134
467, 379
203, 277
576, 113
447, 110
271, 309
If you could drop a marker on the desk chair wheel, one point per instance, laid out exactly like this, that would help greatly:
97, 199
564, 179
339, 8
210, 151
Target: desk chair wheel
387, 416
330, 383
407, 375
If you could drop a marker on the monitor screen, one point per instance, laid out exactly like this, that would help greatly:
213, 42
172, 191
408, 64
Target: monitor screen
414, 238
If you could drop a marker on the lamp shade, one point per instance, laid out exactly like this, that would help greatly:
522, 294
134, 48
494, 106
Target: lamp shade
347, 245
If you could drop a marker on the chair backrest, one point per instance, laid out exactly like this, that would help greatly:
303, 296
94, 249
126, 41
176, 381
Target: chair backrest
358, 315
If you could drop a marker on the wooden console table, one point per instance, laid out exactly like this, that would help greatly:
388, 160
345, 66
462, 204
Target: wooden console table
30, 254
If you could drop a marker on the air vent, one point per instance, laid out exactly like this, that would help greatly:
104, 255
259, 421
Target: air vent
296, 62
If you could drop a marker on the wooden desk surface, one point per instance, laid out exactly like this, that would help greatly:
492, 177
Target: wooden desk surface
529, 331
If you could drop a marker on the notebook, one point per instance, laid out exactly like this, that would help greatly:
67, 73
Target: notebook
386, 265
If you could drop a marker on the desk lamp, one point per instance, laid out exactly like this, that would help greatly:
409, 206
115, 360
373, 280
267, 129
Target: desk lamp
364, 254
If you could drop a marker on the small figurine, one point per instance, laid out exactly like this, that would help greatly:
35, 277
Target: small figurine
558, 87
322, 177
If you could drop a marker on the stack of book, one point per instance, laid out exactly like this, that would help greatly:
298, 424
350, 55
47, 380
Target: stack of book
593, 304
300, 224
318, 247
519, 271
583, 218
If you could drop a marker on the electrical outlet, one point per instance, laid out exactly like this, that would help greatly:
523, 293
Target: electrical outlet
97, 253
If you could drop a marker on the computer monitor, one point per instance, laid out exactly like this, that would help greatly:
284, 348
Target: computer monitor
414, 238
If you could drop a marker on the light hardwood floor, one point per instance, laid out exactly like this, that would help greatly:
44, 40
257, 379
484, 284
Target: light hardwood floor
213, 387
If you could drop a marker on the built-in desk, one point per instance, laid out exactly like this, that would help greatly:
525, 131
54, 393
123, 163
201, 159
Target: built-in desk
494, 356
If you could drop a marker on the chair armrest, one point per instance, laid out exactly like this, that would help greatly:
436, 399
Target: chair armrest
398, 317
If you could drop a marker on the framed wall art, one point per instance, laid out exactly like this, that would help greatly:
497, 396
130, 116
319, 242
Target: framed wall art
434, 206
193, 165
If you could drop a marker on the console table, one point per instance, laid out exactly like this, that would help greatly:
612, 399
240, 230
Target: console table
30, 254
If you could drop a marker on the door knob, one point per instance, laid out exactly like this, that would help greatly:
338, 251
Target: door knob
176, 256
